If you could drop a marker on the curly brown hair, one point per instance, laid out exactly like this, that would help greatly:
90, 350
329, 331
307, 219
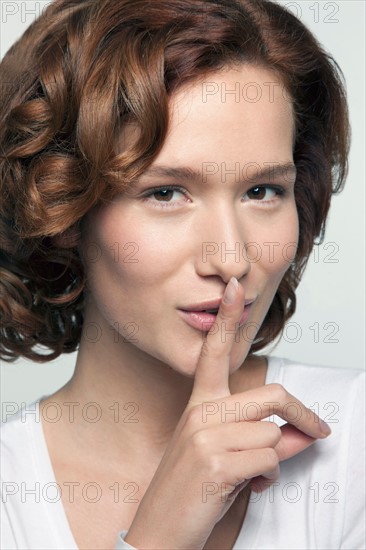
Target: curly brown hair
83, 70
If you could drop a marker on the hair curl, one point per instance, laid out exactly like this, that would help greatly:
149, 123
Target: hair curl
83, 70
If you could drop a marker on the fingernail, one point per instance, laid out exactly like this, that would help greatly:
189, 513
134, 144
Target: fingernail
230, 292
325, 428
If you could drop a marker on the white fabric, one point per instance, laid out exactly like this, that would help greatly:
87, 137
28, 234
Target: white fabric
318, 502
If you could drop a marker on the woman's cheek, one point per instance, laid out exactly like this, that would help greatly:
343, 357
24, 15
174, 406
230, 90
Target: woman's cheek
280, 248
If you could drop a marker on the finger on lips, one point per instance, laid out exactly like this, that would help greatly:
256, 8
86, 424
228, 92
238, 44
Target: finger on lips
212, 370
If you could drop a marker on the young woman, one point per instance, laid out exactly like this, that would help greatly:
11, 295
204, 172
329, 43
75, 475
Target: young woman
165, 169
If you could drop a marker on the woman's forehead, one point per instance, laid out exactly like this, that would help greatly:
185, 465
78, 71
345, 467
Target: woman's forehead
241, 114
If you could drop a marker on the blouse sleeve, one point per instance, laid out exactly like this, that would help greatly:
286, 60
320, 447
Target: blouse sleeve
120, 542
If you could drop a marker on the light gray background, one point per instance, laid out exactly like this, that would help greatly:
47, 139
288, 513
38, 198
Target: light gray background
329, 326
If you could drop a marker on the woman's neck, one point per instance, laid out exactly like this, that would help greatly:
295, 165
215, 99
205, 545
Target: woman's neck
129, 402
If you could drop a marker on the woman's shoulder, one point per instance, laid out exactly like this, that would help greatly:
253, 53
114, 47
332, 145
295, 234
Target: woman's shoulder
325, 482
19, 416
313, 378
19, 431
336, 394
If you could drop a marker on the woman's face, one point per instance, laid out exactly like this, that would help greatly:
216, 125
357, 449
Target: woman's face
151, 254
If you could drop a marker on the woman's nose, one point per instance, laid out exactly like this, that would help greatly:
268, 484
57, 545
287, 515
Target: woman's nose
222, 246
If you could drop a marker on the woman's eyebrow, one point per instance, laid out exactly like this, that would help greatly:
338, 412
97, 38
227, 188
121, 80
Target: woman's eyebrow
247, 172
181, 172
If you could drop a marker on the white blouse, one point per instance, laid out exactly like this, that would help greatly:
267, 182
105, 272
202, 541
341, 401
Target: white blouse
317, 503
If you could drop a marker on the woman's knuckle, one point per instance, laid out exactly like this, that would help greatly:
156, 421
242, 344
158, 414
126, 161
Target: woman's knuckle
205, 350
270, 458
200, 440
278, 392
274, 432
214, 468
226, 316
212, 351
309, 415
205, 459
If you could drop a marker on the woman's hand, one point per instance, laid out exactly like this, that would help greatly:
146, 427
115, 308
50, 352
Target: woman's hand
213, 452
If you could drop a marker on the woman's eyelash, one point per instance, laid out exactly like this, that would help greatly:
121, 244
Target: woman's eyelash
280, 192
161, 204
153, 190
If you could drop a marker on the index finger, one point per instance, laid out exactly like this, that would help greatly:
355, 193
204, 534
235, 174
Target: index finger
211, 379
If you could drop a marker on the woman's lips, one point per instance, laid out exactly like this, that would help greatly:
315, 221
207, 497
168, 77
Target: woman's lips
204, 321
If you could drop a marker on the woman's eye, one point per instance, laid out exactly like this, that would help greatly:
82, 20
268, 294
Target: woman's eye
267, 192
170, 196
164, 196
